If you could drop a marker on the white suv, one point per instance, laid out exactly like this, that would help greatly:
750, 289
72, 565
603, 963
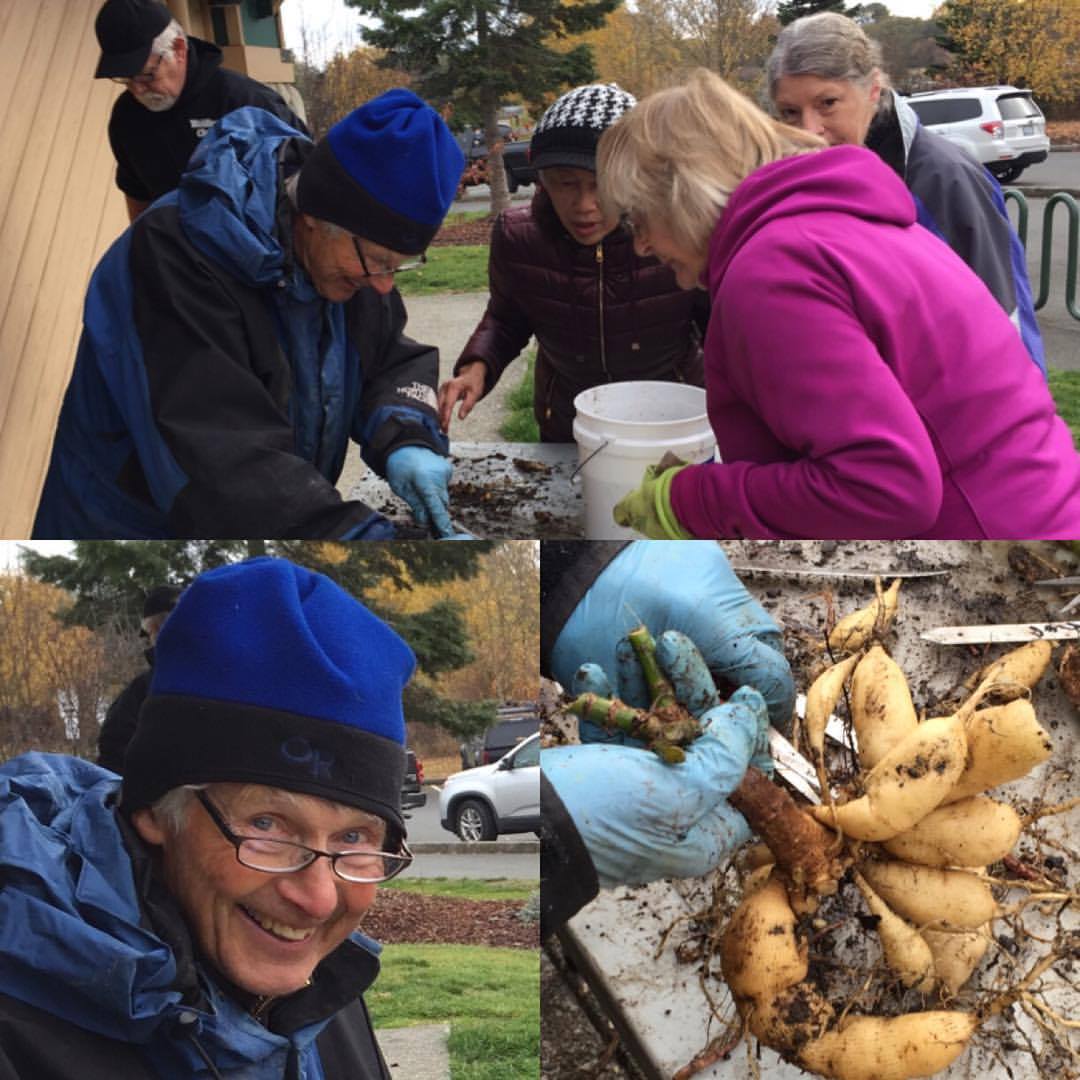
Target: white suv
999, 126
481, 803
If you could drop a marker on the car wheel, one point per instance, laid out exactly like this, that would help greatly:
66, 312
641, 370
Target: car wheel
511, 182
1011, 175
473, 821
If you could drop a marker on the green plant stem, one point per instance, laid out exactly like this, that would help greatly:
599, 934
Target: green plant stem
661, 692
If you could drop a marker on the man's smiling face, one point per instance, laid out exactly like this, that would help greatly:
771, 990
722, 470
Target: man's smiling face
266, 933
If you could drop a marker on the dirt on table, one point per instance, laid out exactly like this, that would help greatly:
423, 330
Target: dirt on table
399, 917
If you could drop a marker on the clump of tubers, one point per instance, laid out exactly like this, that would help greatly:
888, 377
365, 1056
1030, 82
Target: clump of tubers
913, 827
919, 830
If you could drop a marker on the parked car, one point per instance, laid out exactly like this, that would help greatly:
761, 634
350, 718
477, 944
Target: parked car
413, 795
519, 170
1000, 126
491, 800
515, 723
515, 158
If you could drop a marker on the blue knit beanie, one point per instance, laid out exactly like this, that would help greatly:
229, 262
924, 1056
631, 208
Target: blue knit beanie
268, 673
388, 172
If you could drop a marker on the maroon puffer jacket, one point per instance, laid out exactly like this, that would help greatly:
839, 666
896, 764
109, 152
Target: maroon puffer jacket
599, 314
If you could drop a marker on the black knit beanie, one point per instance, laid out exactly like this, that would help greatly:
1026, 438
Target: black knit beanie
572, 125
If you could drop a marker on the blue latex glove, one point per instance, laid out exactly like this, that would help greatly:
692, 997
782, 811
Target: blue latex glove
683, 585
641, 819
421, 477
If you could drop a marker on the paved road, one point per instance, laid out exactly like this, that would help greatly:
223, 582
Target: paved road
423, 825
1061, 171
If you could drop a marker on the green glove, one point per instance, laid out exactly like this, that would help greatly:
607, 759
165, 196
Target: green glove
648, 509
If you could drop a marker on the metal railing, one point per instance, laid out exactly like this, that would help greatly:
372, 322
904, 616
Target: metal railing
1071, 258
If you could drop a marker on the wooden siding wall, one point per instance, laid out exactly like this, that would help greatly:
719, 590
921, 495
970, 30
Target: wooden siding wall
59, 211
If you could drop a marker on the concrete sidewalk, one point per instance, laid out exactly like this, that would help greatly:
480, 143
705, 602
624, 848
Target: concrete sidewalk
416, 1053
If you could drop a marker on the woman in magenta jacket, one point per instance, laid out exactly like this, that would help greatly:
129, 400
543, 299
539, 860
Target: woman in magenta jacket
862, 381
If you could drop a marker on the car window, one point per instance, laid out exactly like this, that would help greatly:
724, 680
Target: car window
1017, 106
946, 110
529, 754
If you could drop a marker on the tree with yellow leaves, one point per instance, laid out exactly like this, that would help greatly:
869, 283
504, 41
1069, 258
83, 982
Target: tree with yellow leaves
55, 680
1026, 43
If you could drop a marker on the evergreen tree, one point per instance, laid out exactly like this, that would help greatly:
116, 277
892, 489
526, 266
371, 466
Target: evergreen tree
471, 54
787, 11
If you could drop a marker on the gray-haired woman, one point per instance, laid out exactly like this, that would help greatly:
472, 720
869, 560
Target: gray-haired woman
825, 76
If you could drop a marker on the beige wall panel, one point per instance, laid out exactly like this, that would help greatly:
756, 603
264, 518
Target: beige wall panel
59, 209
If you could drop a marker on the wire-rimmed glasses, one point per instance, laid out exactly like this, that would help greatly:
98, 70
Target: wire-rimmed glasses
414, 264
286, 857
144, 78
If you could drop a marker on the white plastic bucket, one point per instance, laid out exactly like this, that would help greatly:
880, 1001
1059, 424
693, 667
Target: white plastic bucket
620, 428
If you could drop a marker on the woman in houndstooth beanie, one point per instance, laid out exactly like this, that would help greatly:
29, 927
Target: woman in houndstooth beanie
560, 271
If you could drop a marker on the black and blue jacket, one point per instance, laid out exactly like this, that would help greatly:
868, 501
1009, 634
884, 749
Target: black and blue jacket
215, 392
960, 202
100, 975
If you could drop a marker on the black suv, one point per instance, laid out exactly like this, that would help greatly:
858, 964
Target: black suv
413, 795
515, 723
518, 168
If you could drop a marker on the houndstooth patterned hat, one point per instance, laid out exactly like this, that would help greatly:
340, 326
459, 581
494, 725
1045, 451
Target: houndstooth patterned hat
570, 128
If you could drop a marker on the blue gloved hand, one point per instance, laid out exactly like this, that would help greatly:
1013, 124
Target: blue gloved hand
641, 819
421, 477
672, 585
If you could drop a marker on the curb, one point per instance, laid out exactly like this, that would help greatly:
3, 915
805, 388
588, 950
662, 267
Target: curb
477, 847
1042, 192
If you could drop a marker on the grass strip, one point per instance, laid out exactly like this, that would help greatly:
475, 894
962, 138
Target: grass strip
462, 268
490, 997
1065, 388
519, 424
465, 888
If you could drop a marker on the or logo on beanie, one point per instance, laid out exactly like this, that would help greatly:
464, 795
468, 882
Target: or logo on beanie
298, 751
569, 130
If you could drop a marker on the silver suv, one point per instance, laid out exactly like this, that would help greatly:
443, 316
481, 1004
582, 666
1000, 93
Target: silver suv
481, 803
999, 126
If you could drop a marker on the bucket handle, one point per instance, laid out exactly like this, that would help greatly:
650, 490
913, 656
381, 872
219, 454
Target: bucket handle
581, 465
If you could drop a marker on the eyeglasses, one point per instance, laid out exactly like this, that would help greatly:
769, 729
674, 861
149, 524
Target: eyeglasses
286, 857
144, 78
414, 265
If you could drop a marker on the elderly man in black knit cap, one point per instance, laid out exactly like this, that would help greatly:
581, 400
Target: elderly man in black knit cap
559, 271
200, 918
176, 89
123, 714
246, 327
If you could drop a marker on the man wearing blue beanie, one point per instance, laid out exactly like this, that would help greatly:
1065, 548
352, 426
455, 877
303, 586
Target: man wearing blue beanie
246, 327
202, 920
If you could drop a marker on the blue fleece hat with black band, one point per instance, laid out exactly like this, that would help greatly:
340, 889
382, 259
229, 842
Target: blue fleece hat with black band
268, 673
388, 172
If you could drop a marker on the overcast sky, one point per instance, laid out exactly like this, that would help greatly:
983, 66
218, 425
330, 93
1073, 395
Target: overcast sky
9, 550
331, 26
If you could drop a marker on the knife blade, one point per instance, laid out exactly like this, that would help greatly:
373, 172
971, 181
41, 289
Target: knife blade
1002, 632
793, 767
860, 575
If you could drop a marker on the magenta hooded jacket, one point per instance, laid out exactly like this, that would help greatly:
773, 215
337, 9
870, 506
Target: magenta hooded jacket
862, 381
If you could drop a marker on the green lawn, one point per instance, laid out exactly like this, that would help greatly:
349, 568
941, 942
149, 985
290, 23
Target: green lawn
490, 998
461, 268
465, 888
1065, 386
